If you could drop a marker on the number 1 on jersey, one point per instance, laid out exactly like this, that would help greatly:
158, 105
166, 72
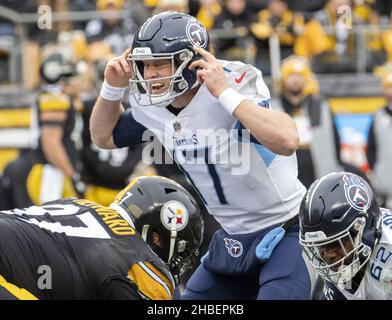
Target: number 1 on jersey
204, 154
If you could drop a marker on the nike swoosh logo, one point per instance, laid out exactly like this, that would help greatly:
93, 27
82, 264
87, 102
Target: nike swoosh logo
238, 80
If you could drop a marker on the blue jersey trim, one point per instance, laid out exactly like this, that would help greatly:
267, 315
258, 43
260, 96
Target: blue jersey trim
267, 155
128, 132
266, 103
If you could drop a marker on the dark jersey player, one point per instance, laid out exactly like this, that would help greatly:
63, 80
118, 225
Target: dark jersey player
89, 251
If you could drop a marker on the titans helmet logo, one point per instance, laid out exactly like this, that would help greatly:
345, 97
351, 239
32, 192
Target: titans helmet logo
357, 194
196, 34
234, 247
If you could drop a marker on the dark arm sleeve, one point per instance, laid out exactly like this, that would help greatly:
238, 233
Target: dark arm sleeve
118, 289
128, 132
371, 147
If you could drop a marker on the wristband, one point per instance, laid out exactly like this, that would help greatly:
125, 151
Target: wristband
110, 93
230, 99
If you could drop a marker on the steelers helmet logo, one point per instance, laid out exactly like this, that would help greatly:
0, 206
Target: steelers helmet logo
174, 213
196, 34
356, 193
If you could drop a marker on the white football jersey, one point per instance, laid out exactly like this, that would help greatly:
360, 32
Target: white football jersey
377, 281
243, 184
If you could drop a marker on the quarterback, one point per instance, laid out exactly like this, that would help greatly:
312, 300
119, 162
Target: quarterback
184, 95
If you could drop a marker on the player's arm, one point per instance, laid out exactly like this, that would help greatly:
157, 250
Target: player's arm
104, 118
274, 129
144, 282
107, 113
118, 289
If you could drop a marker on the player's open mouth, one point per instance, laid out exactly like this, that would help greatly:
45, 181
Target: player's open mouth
157, 87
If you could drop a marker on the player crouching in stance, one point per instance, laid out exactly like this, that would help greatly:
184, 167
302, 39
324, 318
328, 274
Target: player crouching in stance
78, 249
347, 238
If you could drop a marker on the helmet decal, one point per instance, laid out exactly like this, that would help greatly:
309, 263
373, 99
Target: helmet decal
196, 34
357, 194
174, 210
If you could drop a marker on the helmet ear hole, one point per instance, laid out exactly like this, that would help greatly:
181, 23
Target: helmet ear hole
156, 238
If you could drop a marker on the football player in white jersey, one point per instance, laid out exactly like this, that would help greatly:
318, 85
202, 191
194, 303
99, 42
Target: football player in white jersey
348, 238
214, 118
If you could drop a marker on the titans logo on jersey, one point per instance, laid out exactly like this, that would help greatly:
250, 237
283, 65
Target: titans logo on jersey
234, 247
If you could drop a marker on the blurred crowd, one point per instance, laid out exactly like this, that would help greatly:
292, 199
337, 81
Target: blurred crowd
328, 32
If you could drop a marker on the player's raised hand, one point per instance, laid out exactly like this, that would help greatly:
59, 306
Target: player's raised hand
118, 71
210, 72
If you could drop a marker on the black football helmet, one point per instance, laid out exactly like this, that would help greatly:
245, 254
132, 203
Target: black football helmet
161, 206
57, 66
168, 35
339, 208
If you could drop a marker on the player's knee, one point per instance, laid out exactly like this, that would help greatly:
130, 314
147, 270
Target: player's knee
196, 288
285, 280
285, 289
189, 294
202, 285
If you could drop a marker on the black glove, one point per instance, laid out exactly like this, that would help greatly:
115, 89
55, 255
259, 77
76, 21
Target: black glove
78, 185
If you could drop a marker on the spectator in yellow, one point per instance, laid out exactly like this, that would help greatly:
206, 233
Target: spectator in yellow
327, 35
277, 18
233, 24
115, 32
319, 33
208, 11
171, 5
318, 153
387, 44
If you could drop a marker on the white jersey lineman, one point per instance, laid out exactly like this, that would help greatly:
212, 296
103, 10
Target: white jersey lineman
377, 281
243, 184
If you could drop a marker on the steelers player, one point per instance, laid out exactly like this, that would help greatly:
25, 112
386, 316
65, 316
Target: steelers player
78, 249
50, 171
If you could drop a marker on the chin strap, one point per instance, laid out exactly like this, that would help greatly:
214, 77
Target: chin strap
173, 237
145, 231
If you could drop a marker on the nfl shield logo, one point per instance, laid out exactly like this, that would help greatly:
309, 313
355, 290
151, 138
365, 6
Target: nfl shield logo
177, 126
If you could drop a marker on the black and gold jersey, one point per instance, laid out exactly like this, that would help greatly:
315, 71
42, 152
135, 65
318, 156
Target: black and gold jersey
78, 249
52, 100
